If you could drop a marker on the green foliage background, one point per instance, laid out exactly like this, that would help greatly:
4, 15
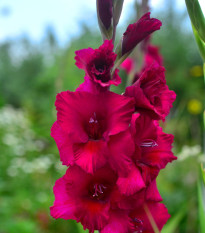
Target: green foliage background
30, 76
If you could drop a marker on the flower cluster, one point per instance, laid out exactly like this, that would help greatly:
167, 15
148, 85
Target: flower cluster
112, 144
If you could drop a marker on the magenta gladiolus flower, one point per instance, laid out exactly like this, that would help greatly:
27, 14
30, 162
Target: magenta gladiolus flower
152, 95
138, 31
98, 63
153, 147
93, 129
112, 144
84, 197
93, 200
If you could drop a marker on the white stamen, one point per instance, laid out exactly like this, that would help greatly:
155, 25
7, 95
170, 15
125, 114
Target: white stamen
149, 143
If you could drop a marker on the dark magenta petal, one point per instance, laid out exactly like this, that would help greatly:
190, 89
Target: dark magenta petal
105, 11
90, 86
152, 193
63, 143
85, 125
91, 155
161, 154
152, 95
140, 219
132, 183
118, 222
121, 149
84, 197
155, 146
138, 31
83, 57
63, 206
98, 64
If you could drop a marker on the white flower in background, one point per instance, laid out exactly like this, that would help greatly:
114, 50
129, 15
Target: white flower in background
189, 151
16, 132
39, 165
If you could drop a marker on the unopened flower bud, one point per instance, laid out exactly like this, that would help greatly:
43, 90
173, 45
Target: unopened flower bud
134, 34
138, 31
105, 17
117, 4
108, 12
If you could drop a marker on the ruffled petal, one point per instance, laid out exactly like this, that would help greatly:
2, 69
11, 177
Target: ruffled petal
90, 86
74, 197
83, 57
138, 31
132, 183
63, 205
152, 95
161, 154
98, 65
63, 143
73, 109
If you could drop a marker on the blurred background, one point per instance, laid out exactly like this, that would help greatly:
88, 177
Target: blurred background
37, 44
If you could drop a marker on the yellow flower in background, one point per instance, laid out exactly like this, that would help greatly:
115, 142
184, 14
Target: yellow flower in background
196, 71
194, 106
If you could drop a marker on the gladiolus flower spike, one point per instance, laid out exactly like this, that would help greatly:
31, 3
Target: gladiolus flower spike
112, 144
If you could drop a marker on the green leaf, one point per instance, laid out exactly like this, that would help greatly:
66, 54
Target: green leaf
200, 43
197, 17
201, 203
174, 222
81, 230
203, 170
204, 82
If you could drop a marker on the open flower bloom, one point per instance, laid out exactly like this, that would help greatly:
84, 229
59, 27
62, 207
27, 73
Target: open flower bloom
98, 63
125, 220
152, 95
92, 130
138, 31
83, 197
153, 147
151, 215
93, 200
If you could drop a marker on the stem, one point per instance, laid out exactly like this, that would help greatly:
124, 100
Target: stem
114, 34
151, 219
